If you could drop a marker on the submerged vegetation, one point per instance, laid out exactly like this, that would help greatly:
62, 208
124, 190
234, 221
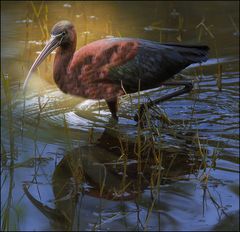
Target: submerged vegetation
127, 170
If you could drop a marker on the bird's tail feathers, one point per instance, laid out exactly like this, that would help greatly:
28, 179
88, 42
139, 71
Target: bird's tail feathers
194, 53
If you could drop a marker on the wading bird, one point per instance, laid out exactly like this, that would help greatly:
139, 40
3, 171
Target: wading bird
109, 68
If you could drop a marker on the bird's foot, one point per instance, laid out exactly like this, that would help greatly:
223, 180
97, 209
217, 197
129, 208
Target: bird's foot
136, 117
114, 119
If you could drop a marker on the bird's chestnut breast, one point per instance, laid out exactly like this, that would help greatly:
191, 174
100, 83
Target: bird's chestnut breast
91, 64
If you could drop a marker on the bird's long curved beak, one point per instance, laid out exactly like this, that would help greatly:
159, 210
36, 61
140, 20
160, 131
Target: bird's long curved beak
53, 43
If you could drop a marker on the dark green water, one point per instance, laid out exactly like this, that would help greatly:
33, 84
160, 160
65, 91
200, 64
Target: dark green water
46, 143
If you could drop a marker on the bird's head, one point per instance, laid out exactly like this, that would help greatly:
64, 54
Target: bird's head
62, 34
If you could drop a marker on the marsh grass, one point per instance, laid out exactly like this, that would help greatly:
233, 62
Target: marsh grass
42, 21
208, 164
208, 161
202, 27
7, 208
146, 142
235, 27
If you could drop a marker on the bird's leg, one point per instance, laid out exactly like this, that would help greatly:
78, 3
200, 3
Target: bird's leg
187, 88
113, 107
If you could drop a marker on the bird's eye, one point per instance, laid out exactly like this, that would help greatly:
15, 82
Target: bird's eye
64, 33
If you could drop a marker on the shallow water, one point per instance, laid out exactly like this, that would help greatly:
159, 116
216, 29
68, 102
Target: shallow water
66, 153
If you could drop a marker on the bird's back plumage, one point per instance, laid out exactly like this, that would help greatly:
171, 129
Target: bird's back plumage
154, 63
105, 66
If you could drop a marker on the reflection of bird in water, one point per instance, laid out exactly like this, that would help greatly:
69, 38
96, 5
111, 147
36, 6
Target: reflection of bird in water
109, 68
111, 170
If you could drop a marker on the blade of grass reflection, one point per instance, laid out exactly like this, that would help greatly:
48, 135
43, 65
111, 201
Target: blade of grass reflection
113, 218
36, 151
3, 157
8, 95
149, 211
6, 211
138, 215
6, 219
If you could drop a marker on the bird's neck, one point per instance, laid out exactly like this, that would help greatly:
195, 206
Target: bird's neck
62, 60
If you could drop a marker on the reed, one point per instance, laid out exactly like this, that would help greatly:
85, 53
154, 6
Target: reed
202, 27
67, 132
41, 22
7, 207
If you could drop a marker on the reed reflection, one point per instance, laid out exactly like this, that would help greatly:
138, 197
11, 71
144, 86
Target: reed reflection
115, 168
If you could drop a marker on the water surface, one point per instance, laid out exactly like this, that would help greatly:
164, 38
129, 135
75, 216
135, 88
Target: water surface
66, 165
